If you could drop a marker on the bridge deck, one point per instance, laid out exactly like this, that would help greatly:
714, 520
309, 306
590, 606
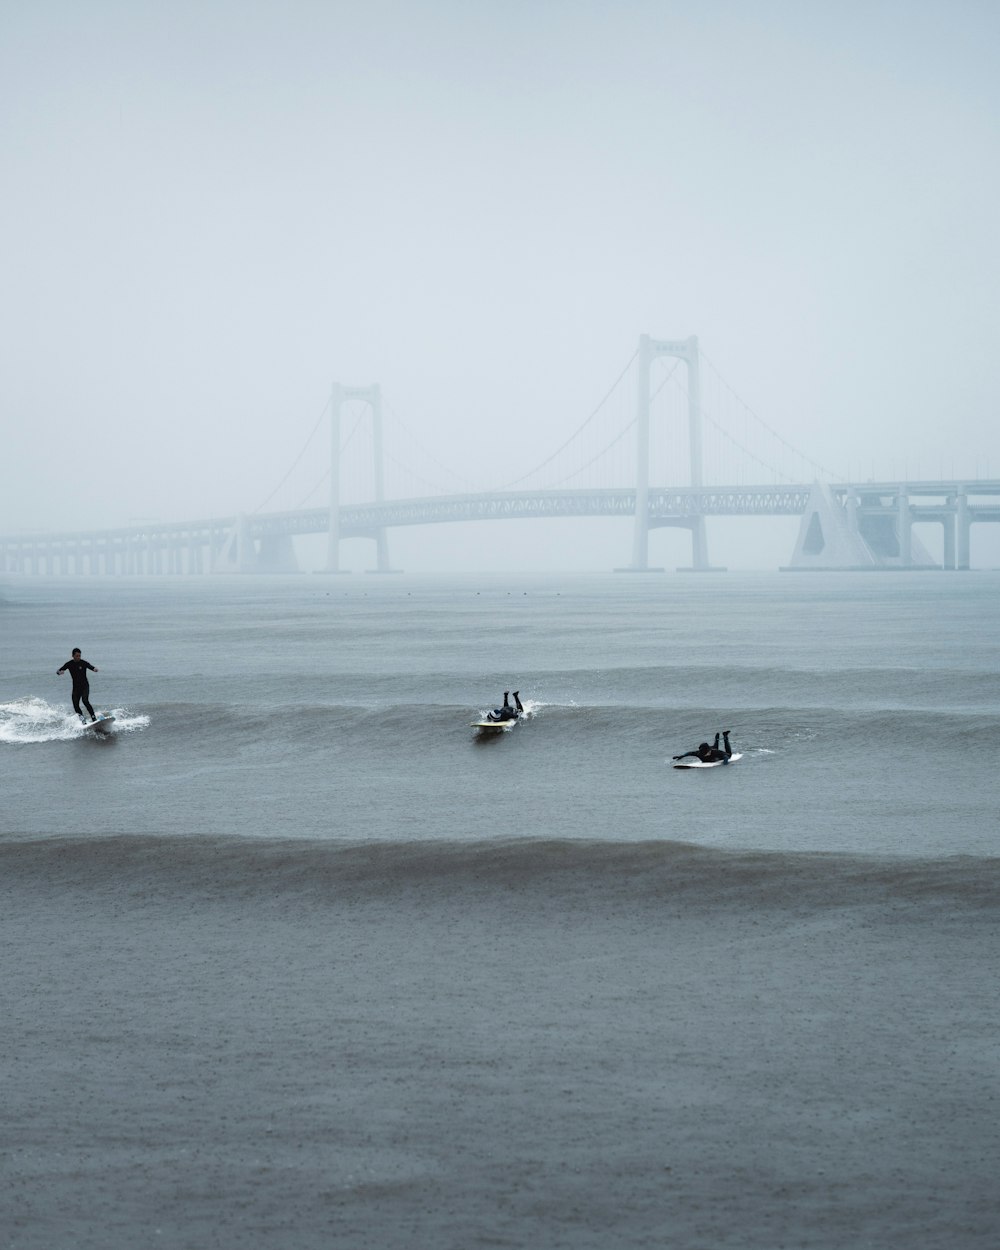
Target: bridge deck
667, 506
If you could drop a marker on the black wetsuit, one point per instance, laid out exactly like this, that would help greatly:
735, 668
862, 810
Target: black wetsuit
81, 686
507, 712
713, 754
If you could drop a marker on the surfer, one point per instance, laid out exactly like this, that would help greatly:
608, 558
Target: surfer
711, 754
81, 686
507, 712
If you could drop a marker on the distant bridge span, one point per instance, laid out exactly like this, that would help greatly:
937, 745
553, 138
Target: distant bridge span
843, 526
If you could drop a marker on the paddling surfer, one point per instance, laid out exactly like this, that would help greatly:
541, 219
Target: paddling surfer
711, 754
81, 686
507, 712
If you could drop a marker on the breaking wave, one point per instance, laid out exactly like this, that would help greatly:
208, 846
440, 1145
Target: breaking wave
31, 720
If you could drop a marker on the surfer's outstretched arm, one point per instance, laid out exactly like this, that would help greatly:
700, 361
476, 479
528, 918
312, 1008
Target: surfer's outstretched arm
686, 754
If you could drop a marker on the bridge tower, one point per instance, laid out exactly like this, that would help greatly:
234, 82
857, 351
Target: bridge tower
649, 350
371, 395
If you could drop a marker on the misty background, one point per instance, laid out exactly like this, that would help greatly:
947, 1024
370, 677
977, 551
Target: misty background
212, 211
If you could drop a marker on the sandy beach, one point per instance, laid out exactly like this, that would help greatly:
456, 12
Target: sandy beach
222, 1044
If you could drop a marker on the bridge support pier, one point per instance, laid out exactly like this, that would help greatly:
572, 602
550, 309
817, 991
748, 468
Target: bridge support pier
237, 553
904, 529
686, 350
869, 528
948, 545
699, 550
963, 527
371, 395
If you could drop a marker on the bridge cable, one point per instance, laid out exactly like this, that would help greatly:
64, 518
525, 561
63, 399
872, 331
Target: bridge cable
463, 481
707, 416
308, 495
677, 365
576, 432
417, 477
778, 473
295, 462
604, 450
774, 433
354, 429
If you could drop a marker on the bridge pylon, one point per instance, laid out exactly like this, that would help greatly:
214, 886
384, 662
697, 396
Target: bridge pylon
371, 395
649, 350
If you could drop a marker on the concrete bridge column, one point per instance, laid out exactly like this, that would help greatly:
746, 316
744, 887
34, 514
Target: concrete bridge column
333, 531
948, 525
378, 466
686, 350
640, 535
382, 554
699, 538
963, 524
904, 524
246, 552
699, 546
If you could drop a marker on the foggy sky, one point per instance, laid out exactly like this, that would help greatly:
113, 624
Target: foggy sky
213, 210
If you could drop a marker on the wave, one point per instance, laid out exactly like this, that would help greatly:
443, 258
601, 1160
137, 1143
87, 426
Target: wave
660, 873
569, 726
32, 720
738, 686
760, 730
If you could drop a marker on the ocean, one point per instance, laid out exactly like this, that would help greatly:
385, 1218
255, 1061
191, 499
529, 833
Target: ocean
866, 709
295, 957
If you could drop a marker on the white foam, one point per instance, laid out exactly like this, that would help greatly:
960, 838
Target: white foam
29, 719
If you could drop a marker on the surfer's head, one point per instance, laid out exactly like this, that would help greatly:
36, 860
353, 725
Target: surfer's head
76, 652
703, 747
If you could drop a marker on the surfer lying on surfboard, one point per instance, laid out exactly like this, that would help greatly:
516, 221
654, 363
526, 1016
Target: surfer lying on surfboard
709, 755
507, 712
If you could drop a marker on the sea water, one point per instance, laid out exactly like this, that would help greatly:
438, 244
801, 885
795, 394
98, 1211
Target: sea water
295, 957
866, 707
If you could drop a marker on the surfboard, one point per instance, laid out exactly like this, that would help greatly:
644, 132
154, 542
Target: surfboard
494, 724
736, 755
102, 725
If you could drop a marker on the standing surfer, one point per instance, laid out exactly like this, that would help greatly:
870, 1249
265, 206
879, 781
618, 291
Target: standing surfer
81, 686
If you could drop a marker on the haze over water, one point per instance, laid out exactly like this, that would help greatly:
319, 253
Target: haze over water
214, 211
294, 958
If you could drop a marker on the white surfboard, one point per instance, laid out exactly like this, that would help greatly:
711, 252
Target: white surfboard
736, 755
102, 725
497, 725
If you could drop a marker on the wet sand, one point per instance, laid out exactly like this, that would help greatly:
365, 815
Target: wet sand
563, 1045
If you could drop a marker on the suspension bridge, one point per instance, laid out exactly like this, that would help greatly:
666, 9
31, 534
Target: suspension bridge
658, 421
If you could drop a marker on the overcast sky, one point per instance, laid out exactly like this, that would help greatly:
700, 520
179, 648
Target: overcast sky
213, 210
